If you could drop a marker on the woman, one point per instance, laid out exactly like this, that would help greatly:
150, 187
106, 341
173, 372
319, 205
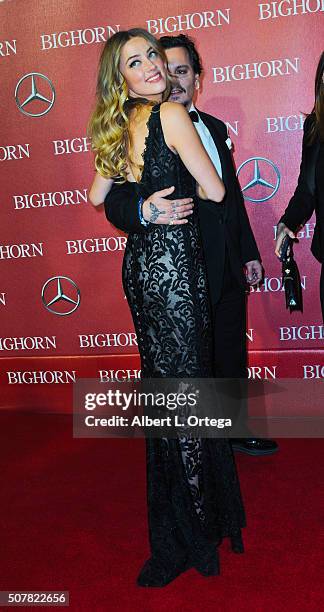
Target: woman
309, 194
192, 487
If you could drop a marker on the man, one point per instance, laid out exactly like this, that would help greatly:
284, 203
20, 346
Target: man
228, 241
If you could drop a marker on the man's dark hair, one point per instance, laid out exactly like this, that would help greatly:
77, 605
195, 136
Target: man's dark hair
169, 42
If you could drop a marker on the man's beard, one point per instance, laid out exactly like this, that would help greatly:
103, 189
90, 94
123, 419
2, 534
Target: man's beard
176, 92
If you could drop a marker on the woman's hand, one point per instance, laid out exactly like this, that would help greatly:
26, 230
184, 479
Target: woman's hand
161, 211
282, 231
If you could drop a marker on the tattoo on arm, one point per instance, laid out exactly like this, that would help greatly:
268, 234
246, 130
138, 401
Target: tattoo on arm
155, 212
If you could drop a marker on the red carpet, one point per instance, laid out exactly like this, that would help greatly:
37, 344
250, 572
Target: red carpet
73, 517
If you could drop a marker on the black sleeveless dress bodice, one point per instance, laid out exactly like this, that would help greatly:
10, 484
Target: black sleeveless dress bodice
193, 492
164, 275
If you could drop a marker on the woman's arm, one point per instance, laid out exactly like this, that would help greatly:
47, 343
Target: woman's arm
180, 135
302, 203
99, 189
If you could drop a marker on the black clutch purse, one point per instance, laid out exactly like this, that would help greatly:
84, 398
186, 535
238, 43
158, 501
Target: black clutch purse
291, 276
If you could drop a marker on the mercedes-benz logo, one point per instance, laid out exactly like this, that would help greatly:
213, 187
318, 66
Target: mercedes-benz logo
265, 179
34, 94
60, 292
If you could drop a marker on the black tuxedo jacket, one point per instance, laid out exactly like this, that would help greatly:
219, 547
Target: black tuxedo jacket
305, 199
223, 226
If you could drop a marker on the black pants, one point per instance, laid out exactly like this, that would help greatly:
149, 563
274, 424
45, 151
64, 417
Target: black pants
230, 351
229, 324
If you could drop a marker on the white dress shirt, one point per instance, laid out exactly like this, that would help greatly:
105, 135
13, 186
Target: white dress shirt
208, 142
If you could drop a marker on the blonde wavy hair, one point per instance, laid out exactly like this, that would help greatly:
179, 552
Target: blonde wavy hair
108, 124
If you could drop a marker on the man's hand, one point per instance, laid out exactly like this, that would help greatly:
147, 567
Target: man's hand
282, 231
161, 211
253, 272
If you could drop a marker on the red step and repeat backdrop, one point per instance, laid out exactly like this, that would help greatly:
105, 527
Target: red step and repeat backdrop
63, 311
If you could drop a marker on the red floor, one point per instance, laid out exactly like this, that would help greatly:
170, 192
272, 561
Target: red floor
73, 517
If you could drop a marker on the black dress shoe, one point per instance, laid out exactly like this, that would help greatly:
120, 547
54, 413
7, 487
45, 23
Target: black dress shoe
255, 446
154, 573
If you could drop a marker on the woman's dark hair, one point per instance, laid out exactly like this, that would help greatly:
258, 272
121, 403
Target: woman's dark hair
169, 42
317, 128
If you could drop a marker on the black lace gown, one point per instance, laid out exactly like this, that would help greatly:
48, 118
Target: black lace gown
193, 492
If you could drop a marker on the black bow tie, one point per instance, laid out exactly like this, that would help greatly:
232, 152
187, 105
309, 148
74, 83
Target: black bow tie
194, 116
